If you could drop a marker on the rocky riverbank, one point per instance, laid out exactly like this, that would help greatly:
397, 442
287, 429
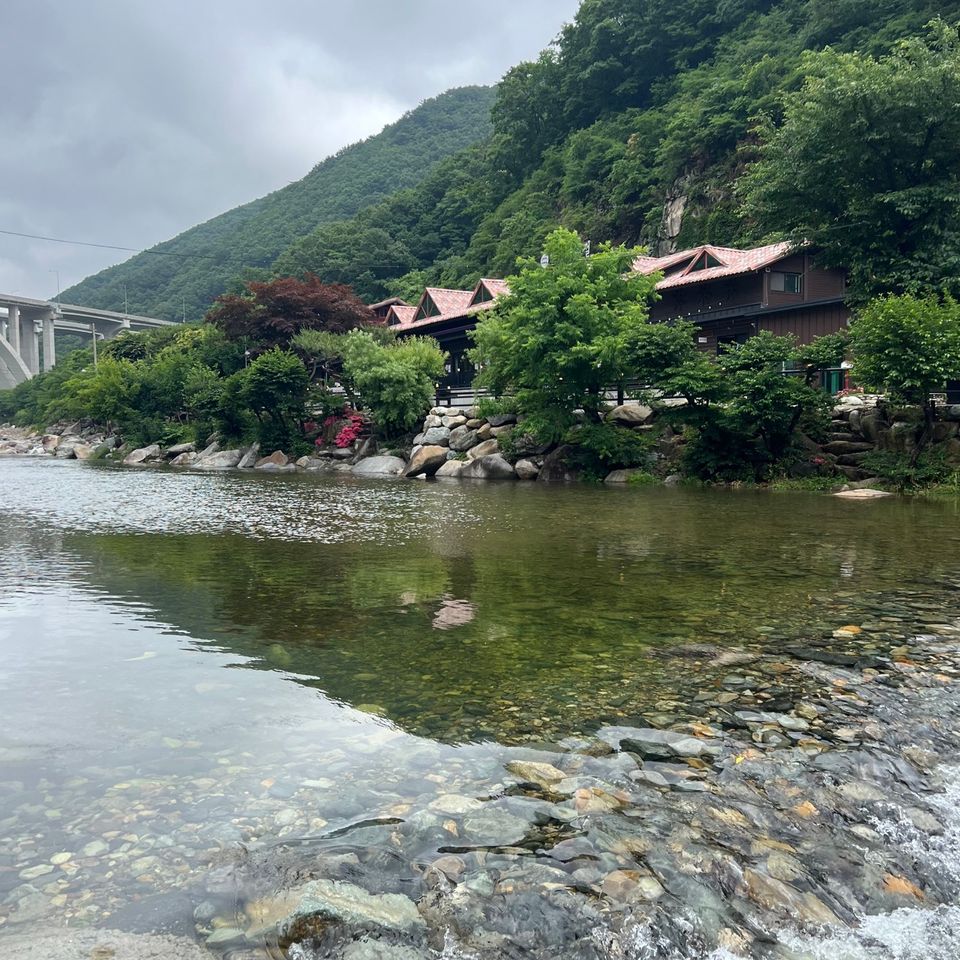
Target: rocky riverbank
792, 797
455, 443
799, 790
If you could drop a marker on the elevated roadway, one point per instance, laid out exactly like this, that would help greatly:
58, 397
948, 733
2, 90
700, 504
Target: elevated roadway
28, 332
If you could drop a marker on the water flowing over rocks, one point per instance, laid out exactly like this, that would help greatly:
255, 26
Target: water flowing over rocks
787, 809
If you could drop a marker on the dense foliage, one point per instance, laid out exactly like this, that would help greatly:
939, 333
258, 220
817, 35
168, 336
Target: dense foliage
865, 167
267, 366
271, 314
560, 338
637, 109
580, 325
907, 347
184, 275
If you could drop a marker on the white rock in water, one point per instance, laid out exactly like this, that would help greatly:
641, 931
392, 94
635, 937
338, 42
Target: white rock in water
867, 494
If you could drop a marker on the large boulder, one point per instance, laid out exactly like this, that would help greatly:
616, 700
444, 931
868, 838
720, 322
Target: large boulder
453, 422
527, 470
426, 459
250, 457
492, 467
653, 744
437, 436
556, 468
485, 449
452, 468
304, 911
276, 459
380, 467
462, 439
501, 419
142, 454
179, 448
83, 451
50, 442
224, 460
631, 414
187, 459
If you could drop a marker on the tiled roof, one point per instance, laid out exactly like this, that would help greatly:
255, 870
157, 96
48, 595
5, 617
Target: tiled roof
733, 262
448, 301
401, 312
498, 288
431, 322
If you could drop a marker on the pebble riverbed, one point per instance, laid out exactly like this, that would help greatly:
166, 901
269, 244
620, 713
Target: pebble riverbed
791, 792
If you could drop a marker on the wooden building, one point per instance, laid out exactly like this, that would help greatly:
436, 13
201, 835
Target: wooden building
732, 294
447, 316
728, 294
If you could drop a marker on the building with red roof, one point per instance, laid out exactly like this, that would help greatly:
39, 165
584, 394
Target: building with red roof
729, 294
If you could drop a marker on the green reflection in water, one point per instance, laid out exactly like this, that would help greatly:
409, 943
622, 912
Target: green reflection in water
548, 612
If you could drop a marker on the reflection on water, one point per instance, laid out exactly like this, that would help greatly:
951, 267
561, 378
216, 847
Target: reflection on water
194, 662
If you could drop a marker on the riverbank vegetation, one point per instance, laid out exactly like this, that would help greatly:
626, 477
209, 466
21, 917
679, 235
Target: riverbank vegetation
271, 366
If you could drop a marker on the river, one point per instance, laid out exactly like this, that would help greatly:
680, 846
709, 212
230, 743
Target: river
214, 688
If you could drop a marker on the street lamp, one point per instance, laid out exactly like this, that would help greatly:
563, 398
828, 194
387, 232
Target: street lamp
57, 272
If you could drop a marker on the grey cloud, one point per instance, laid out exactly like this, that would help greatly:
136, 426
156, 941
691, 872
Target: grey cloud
126, 121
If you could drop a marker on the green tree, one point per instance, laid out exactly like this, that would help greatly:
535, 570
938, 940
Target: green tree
274, 388
908, 347
864, 165
395, 381
559, 340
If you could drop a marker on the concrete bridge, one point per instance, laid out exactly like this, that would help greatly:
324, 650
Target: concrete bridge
28, 323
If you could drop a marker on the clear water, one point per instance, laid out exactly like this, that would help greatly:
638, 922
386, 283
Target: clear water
191, 663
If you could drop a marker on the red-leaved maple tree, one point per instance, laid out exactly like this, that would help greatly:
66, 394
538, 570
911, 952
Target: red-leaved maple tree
275, 311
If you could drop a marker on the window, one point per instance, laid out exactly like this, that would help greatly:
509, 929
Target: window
786, 282
705, 261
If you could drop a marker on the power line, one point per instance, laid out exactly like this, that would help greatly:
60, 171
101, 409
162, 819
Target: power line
108, 246
162, 253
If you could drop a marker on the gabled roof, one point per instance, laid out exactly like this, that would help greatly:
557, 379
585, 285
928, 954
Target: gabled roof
452, 303
446, 301
389, 302
399, 314
496, 288
733, 262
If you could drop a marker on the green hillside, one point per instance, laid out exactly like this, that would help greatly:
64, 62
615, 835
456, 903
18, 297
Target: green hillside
635, 126
201, 263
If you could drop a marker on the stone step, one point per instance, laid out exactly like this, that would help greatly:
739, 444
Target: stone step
843, 447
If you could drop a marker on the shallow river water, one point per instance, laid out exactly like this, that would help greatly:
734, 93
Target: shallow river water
214, 689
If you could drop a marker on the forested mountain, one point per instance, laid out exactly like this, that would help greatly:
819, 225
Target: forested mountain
202, 262
635, 125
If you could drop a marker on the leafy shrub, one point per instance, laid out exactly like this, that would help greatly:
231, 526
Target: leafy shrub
599, 448
395, 381
906, 472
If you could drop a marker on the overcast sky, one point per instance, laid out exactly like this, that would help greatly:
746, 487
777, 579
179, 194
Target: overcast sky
126, 121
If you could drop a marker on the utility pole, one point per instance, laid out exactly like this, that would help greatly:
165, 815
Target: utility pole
57, 272
126, 309
93, 330
183, 301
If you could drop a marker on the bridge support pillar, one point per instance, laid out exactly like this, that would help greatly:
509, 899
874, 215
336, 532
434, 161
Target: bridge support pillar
13, 328
30, 344
49, 344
